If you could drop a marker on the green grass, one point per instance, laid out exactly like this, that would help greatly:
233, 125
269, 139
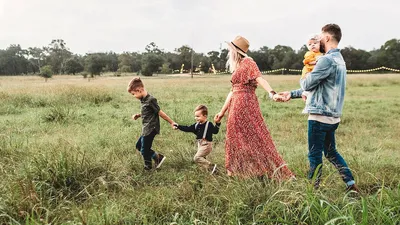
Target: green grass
67, 156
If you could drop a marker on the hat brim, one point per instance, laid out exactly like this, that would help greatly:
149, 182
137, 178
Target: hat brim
237, 49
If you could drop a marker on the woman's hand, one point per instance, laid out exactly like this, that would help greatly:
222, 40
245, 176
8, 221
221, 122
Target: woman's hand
218, 117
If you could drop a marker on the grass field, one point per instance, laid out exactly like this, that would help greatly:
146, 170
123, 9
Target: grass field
67, 156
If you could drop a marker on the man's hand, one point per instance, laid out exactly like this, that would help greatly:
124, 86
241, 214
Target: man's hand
175, 126
136, 116
284, 96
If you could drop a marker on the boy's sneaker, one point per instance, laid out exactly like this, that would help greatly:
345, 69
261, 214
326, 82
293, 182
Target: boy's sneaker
354, 188
213, 169
147, 167
159, 160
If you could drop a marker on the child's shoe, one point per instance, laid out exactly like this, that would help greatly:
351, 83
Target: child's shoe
213, 169
159, 160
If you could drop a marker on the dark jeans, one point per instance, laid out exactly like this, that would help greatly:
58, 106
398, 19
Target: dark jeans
321, 138
144, 146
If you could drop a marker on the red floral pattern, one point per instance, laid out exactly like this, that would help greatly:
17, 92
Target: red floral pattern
249, 149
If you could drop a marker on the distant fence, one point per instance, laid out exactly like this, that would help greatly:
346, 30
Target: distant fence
285, 70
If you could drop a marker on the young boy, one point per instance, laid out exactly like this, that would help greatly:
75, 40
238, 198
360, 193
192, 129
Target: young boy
150, 112
204, 131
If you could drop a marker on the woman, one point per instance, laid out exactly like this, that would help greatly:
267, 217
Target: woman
249, 149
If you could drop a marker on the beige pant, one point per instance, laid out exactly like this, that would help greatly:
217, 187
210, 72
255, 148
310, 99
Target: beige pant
204, 148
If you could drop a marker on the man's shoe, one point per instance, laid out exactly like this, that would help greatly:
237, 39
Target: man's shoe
159, 160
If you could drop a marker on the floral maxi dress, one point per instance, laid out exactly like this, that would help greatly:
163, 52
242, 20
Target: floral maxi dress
249, 149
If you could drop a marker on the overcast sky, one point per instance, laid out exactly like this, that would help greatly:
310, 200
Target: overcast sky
129, 25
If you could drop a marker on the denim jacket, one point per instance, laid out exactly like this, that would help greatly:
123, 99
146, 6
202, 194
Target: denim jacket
326, 84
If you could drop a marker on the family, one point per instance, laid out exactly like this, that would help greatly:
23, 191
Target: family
249, 148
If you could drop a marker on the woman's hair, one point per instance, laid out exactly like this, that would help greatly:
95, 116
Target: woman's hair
135, 84
234, 59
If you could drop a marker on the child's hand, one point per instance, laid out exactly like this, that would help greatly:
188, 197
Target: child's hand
174, 126
313, 63
136, 116
304, 98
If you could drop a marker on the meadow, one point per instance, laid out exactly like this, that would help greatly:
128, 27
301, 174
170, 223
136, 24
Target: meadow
67, 155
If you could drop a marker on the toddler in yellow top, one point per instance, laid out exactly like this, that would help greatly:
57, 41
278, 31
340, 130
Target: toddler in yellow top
310, 58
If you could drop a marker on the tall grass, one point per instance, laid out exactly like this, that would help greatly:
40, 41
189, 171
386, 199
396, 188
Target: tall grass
67, 156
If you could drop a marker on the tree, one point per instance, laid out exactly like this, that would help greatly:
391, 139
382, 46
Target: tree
389, 54
283, 57
58, 54
37, 55
165, 69
13, 61
185, 56
355, 58
72, 65
94, 63
46, 72
223, 59
129, 62
173, 60
111, 61
151, 63
153, 48
263, 58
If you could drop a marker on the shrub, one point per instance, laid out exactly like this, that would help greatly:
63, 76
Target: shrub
46, 72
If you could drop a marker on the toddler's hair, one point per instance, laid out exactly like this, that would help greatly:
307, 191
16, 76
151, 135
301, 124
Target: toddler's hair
134, 84
203, 109
314, 37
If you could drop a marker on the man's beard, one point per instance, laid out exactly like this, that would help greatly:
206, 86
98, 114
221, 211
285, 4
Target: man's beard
322, 47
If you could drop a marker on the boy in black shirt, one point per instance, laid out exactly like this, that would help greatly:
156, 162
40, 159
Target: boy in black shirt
204, 131
150, 112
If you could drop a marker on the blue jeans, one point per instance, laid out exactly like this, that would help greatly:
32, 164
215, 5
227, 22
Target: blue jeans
321, 138
144, 146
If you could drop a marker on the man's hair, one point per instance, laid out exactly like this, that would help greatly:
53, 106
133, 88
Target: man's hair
203, 109
334, 30
135, 84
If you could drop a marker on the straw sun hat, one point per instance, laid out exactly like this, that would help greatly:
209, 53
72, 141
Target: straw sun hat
241, 44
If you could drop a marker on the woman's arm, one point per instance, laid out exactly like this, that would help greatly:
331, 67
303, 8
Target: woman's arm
264, 84
227, 103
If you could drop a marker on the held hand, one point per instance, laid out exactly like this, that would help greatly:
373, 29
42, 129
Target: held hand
277, 98
285, 96
218, 117
174, 125
136, 116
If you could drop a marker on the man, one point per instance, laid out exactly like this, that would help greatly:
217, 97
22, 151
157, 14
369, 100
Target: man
326, 84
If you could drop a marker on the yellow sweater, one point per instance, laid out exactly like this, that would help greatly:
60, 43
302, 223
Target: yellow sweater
310, 56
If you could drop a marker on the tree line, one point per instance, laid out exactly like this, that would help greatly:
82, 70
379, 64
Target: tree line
56, 58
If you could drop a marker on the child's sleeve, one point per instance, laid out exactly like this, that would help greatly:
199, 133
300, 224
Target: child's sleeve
216, 128
190, 128
308, 57
154, 105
